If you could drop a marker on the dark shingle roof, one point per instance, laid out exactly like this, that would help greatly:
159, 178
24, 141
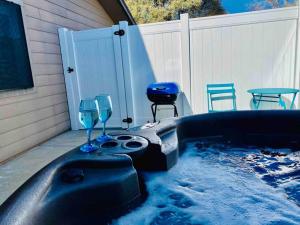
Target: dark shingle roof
117, 10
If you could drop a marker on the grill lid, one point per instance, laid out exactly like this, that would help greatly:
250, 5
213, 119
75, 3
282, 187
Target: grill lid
163, 88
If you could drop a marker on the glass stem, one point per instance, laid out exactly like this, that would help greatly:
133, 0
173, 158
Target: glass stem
104, 125
89, 132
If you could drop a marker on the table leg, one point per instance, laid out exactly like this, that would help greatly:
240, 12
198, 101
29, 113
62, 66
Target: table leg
281, 102
256, 104
259, 100
293, 101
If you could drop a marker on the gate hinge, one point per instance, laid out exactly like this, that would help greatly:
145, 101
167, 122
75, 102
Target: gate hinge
127, 120
119, 32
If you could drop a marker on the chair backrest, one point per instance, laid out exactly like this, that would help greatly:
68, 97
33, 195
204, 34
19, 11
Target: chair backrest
219, 92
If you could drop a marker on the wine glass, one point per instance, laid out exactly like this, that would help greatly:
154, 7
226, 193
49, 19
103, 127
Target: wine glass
88, 117
104, 106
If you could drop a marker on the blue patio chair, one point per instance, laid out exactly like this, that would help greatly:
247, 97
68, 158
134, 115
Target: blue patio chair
219, 92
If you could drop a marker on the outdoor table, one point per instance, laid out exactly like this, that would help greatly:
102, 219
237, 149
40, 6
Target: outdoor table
272, 95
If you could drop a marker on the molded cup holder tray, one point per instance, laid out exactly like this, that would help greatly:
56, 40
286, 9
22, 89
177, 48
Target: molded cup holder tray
125, 143
124, 137
110, 144
133, 144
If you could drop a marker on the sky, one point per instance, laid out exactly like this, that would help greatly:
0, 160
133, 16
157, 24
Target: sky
236, 6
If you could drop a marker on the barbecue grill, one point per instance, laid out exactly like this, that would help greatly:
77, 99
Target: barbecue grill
162, 94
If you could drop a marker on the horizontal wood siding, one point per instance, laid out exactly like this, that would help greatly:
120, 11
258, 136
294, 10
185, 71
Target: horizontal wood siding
29, 117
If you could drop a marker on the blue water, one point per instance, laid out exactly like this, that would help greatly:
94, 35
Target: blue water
88, 118
220, 184
104, 114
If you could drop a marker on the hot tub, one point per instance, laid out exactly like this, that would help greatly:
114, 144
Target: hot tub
229, 168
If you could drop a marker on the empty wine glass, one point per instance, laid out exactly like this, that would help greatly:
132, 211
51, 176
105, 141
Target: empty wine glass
88, 117
104, 107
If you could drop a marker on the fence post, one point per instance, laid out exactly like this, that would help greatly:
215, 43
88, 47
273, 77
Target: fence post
71, 82
186, 67
297, 60
126, 58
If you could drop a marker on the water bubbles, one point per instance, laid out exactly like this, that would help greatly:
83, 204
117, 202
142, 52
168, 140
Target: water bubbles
223, 184
184, 184
161, 206
172, 218
181, 201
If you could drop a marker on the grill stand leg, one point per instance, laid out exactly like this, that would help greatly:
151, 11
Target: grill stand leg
154, 112
175, 111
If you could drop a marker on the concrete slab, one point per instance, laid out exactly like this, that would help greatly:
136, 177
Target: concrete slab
15, 172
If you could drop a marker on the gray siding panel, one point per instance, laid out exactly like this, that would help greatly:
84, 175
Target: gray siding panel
30, 117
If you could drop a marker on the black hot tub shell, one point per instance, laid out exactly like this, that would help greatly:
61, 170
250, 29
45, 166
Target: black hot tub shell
80, 188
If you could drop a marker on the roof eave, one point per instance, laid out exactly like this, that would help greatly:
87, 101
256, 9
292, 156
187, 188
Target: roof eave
117, 10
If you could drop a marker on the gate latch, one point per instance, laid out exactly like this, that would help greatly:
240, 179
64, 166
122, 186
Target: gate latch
119, 32
70, 70
127, 120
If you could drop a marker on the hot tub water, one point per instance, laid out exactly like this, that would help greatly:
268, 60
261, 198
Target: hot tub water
220, 184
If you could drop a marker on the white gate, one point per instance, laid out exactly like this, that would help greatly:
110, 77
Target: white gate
253, 50
93, 64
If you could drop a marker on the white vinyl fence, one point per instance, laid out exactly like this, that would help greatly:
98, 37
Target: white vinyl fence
252, 50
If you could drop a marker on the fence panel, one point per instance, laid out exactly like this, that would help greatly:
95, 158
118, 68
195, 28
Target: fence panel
253, 50
156, 56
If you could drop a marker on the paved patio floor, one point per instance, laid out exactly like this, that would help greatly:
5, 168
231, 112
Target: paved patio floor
15, 172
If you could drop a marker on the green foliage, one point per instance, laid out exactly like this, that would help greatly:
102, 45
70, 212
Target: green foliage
210, 8
149, 11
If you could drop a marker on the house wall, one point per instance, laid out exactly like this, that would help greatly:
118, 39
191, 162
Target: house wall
29, 117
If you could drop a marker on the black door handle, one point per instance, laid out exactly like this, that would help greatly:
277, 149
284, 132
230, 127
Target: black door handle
70, 70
